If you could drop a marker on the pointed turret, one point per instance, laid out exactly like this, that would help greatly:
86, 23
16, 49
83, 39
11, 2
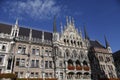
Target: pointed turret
80, 33
16, 23
85, 32
72, 21
107, 45
61, 26
67, 20
106, 42
55, 33
54, 25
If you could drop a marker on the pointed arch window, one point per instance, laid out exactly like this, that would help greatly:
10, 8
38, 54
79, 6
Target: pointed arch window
3, 48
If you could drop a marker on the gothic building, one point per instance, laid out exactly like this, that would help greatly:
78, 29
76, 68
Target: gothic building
116, 57
65, 55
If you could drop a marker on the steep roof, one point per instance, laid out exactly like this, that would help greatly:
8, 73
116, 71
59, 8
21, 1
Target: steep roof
98, 47
24, 31
36, 34
5, 28
48, 36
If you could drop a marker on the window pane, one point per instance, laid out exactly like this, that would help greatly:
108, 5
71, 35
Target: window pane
50, 64
17, 61
1, 59
46, 64
32, 63
33, 51
37, 51
19, 49
37, 63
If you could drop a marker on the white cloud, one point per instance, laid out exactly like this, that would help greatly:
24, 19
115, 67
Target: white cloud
39, 9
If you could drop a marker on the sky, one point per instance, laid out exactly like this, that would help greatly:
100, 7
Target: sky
101, 17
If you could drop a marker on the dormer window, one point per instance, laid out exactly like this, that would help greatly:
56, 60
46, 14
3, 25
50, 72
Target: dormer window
3, 48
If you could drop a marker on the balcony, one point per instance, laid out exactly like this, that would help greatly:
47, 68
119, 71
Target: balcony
86, 68
78, 67
71, 67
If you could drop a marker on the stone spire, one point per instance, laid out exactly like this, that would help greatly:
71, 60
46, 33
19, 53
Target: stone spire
72, 21
30, 34
85, 33
61, 26
54, 25
106, 42
80, 33
67, 20
16, 23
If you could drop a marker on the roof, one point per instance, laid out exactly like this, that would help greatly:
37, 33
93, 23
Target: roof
48, 36
98, 47
36, 34
24, 31
5, 28
96, 44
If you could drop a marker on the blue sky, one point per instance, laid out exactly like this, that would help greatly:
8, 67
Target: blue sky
102, 17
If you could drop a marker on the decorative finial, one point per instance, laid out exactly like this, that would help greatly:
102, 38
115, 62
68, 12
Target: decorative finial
54, 25
106, 42
80, 31
72, 21
67, 20
85, 32
16, 23
61, 27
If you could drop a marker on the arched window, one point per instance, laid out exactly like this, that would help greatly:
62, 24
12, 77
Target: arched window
70, 62
67, 54
71, 42
64, 40
81, 54
74, 54
67, 41
101, 58
85, 63
81, 44
78, 63
3, 48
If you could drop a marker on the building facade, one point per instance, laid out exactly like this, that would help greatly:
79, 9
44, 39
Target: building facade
116, 57
65, 55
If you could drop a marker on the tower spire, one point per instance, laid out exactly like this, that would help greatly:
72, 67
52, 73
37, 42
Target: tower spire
16, 23
54, 25
85, 32
72, 21
67, 20
106, 42
61, 26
